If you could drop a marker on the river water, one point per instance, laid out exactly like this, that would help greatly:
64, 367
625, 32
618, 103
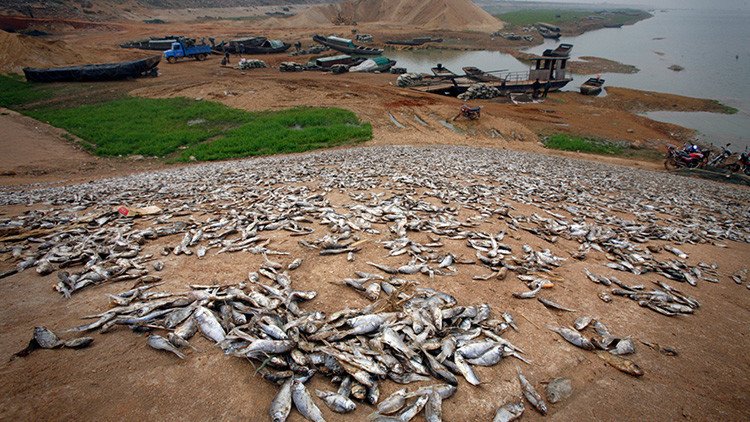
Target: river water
712, 45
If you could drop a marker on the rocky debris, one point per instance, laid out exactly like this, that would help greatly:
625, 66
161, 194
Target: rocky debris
480, 91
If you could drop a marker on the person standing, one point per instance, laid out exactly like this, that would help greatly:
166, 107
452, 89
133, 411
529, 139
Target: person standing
547, 86
535, 89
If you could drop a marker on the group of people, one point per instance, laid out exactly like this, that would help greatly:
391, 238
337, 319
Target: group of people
536, 87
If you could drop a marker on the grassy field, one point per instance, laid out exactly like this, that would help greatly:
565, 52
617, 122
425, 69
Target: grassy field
179, 129
567, 142
14, 91
294, 130
568, 16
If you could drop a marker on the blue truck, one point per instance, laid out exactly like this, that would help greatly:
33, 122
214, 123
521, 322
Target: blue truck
182, 49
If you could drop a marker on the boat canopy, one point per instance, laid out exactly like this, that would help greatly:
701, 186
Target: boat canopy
380, 60
276, 43
343, 41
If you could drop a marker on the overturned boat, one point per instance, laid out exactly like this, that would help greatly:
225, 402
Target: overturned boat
346, 46
95, 72
252, 45
549, 70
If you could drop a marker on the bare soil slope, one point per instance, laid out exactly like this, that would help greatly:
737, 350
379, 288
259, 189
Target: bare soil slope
455, 15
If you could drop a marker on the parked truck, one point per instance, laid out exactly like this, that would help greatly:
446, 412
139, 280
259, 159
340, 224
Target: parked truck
182, 49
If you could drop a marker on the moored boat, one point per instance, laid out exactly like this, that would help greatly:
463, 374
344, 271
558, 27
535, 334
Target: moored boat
252, 45
593, 86
346, 46
94, 72
414, 41
546, 33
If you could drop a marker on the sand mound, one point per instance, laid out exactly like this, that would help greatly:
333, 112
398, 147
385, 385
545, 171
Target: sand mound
18, 51
453, 15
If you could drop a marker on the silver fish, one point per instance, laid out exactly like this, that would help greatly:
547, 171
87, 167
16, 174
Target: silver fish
209, 325
305, 404
531, 395
509, 412
160, 343
282, 402
336, 402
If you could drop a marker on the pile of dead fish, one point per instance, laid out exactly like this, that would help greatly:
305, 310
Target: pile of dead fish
75, 232
291, 67
609, 347
251, 64
480, 91
409, 79
414, 334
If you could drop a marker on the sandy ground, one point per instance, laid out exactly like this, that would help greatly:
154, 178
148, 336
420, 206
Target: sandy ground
120, 377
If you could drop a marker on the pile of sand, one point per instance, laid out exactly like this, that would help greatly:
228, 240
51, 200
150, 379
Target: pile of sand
19, 51
452, 15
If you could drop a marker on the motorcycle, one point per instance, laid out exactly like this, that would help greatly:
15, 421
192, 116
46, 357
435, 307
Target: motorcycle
718, 161
742, 165
471, 113
680, 158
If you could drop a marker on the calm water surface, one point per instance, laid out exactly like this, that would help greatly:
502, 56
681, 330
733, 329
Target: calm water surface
712, 46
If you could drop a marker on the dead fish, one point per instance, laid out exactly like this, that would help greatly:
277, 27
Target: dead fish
465, 369
43, 338
336, 402
393, 403
294, 264
509, 412
582, 322
605, 297
531, 395
679, 253
625, 365
160, 343
433, 409
209, 325
282, 402
305, 404
79, 342
573, 337
413, 409
528, 295
554, 305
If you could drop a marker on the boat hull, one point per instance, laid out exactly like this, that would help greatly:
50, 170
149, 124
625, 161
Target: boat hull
93, 72
357, 50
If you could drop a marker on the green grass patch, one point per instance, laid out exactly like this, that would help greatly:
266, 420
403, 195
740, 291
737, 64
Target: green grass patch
532, 16
15, 91
577, 143
563, 17
294, 130
183, 128
152, 127
624, 149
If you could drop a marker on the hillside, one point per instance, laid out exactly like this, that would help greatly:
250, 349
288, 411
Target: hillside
454, 15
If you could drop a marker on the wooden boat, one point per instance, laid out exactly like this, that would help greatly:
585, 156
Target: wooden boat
414, 41
94, 72
480, 75
550, 70
613, 25
375, 64
346, 46
593, 86
546, 33
329, 61
252, 45
155, 44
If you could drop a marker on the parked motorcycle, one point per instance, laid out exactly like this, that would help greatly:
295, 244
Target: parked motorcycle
677, 158
719, 160
742, 165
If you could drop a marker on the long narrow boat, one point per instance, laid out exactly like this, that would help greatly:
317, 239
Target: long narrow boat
346, 46
414, 41
252, 45
94, 72
155, 44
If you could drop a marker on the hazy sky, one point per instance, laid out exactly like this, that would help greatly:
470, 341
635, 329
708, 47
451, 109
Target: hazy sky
680, 4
